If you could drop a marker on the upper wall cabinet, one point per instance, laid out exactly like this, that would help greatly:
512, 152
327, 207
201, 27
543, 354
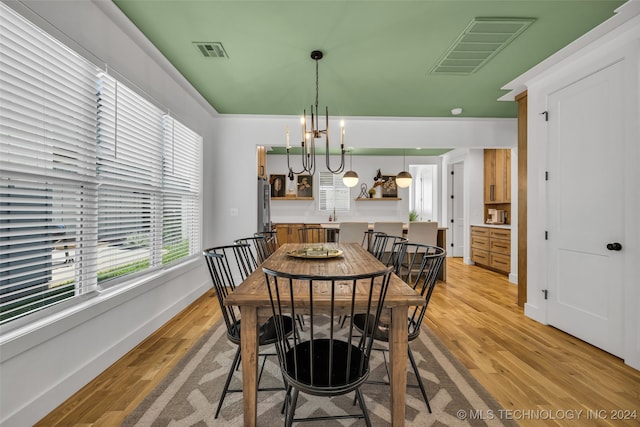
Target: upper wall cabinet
497, 176
262, 162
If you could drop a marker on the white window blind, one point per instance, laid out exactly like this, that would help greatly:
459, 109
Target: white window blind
48, 204
181, 191
96, 182
333, 193
130, 175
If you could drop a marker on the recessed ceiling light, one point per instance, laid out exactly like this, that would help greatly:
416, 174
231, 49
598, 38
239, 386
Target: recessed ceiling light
456, 111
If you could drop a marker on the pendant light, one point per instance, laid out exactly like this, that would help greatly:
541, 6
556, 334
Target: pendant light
403, 179
350, 178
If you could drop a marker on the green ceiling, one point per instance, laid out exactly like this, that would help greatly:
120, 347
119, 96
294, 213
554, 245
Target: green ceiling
378, 54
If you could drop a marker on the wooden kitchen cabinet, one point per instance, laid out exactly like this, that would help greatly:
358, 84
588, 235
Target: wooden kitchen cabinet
497, 176
262, 162
491, 247
288, 232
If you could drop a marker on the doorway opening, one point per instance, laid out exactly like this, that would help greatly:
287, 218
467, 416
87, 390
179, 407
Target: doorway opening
424, 192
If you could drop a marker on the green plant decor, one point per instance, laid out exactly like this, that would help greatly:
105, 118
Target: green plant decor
413, 216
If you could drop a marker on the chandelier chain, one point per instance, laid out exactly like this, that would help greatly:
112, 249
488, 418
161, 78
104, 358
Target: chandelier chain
317, 86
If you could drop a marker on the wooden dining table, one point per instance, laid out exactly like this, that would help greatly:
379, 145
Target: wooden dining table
252, 298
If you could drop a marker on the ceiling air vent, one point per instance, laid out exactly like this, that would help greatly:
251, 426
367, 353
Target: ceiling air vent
211, 49
479, 42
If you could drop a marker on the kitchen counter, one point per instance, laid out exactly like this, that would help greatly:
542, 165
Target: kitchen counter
503, 226
405, 226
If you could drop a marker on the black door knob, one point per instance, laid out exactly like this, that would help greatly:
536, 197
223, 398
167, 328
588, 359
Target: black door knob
614, 246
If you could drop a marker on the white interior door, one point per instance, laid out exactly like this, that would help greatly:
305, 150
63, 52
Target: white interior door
586, 209
457, 209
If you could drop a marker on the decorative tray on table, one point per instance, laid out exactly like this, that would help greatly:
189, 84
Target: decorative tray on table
315, 252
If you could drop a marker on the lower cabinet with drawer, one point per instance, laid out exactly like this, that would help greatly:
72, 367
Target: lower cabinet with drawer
491, 247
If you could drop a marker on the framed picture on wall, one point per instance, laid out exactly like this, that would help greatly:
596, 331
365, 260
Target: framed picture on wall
278, 185
389, 187
304, 186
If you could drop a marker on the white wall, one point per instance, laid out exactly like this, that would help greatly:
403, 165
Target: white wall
45, 363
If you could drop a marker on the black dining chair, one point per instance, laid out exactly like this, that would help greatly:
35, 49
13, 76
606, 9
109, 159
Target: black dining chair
370, 238
316, 235
325, 359
257, 251
272, 240
385, 247
418, 265
227, 266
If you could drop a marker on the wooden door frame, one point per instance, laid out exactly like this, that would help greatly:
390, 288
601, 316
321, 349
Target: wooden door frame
521, 99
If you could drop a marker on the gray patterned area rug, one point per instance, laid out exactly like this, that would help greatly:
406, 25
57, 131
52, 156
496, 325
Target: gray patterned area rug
189, 395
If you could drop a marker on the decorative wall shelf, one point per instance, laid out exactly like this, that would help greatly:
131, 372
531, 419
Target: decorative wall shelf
378, 199
292, 198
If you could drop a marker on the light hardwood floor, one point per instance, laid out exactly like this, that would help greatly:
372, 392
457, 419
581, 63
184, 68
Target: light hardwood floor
533, 371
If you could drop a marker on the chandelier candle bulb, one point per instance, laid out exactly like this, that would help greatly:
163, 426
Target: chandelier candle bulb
288, 145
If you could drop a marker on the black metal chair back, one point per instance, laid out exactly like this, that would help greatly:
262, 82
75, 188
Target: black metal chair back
257, 251
376, 242
272, 240
386, 248
326, 359
316, 235
229, 265
418, 265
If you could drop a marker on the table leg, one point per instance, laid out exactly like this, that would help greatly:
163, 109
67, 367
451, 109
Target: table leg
249, 346
398, 354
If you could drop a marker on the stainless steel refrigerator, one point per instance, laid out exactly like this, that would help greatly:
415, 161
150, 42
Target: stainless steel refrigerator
264, 205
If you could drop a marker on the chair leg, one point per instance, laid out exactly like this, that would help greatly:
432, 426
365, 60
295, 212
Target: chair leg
342, 320
236, 361
363, 406
287, 396
288, 421
300, 321
415, 371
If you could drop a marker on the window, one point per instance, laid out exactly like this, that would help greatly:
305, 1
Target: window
333, 193
181, 191
424, 192
96, 182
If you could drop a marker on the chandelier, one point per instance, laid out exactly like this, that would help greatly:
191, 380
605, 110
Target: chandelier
311, 131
